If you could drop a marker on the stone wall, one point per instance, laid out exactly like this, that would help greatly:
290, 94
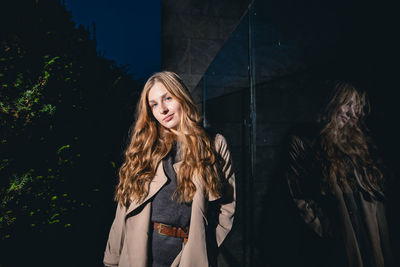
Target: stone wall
297, 47
193, 31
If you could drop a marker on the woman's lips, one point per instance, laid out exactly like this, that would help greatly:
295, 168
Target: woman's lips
168, 118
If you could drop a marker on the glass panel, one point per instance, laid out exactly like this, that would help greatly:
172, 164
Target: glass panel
292, 48
225, 88
267, 78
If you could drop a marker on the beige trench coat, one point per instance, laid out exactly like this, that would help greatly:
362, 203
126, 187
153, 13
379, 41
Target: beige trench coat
127, 244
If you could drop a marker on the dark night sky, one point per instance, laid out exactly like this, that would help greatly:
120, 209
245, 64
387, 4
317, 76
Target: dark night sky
127, 31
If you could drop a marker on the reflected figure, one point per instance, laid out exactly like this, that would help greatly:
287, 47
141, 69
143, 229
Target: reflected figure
337, 185
176, 191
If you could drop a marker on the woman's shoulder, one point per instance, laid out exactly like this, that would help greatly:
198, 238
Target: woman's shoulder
221, 146
219, 140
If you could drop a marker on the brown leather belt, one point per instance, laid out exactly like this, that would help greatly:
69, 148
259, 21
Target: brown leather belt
169, 230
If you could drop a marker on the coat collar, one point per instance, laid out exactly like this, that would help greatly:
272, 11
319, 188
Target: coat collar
158, 181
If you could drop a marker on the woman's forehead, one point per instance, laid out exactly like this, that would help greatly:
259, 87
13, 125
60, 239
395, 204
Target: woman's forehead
156, 91
350, 97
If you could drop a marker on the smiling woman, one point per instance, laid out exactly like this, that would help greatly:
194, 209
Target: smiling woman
176, 191
337, 184
165, 108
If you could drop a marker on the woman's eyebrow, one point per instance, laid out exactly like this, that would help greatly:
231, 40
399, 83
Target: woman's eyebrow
162, 96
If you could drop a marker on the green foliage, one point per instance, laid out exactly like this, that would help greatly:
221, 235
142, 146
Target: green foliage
61, 110
26, 106
18, 183
36, 199
62, 148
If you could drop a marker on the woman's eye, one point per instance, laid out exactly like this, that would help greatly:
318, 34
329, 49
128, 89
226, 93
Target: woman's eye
153, 105
168, 98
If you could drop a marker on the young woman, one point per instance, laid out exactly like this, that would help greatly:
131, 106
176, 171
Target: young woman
176, 191
337, 185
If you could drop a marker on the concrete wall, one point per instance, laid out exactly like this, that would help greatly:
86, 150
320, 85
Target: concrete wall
193, 31
297, 47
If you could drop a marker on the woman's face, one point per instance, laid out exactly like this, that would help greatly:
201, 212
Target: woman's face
165, 108
348, 112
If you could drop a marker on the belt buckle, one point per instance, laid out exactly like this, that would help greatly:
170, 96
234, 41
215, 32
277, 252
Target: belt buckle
160, 226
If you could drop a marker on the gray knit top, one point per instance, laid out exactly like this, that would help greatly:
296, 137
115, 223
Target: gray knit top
169, 211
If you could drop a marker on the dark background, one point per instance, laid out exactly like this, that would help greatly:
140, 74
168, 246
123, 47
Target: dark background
298, 49
65, 115
66, 110
128, 32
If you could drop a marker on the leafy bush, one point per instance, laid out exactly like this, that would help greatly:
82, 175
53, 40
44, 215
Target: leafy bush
63, 112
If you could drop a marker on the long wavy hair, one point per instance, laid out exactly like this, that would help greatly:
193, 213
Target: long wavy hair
150, 142
343, 148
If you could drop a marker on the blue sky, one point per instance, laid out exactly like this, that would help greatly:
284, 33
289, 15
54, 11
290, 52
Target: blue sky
127, 31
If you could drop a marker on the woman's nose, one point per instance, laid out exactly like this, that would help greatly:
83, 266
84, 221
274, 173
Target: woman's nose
163, 109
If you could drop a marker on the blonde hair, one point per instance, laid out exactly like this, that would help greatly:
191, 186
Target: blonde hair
150, 142
342, 94
341, 146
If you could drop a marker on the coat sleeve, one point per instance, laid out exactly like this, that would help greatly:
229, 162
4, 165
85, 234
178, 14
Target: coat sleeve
298, 178
115, 238
228, 200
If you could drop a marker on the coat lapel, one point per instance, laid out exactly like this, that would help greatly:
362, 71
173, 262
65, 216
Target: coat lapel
176, 166
194, 252
155, 185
